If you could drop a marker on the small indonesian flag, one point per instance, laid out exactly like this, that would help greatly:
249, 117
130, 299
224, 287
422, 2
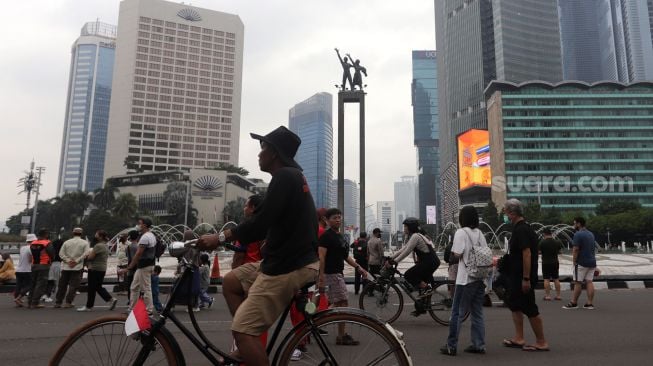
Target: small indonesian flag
138, 320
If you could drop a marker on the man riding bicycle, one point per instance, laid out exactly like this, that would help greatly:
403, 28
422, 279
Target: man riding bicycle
288, 222
426, 260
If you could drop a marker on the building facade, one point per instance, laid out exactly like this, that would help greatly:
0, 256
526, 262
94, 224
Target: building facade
177, 88
406, 198
480, 41
571, 145
351, 216
81, 164
637, 36
311, 120
426, 131
209, 190
385, 215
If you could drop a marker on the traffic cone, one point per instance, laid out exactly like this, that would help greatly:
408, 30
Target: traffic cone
215, 271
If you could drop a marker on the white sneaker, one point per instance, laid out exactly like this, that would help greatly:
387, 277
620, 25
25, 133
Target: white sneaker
296, 355
43, 297
48, 299
84, 308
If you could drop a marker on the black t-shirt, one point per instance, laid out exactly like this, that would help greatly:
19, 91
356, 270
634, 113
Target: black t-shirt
523, 237
550, 249
288, 223
337, 251
359, 247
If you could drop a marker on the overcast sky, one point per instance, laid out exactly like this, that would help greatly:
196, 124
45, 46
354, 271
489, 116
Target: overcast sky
288, 56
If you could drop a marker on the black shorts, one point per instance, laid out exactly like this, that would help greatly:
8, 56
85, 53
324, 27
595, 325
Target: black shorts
550, 271
520, 301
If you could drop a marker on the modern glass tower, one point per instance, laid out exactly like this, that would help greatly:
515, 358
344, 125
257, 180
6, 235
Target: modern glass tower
571, 145
480, 41
637, 36
81, 164
311, 120
426, 131
177, 87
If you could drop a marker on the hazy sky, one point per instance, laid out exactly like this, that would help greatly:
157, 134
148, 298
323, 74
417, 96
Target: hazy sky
288, 56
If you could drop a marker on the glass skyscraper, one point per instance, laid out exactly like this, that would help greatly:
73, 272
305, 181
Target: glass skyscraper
81, 165
311, 120
426, 129
571, 145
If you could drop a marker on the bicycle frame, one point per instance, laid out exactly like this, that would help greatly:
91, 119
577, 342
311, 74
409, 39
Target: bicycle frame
203, 344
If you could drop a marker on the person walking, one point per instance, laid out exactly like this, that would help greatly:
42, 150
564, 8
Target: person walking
375, 251
42, 254
469, 292
72, 255
334, 253
55, 272
156, 272
143, 262
359, 248
132, 247
550, 249
522, 278
24, 271
123, 261
96, 260
584, 264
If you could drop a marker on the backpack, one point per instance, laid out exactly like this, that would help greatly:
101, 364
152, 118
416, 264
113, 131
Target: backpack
480, 260
159, 248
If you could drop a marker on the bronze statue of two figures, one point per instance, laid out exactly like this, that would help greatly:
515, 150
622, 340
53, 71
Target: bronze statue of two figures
347, 65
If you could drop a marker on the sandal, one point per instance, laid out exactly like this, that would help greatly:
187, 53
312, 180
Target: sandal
346, 340
547, 298
512, 344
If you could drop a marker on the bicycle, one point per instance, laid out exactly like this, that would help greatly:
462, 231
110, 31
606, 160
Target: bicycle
104, 339
383, 297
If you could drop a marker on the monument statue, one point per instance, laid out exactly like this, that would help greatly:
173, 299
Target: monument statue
358, 69
346, 75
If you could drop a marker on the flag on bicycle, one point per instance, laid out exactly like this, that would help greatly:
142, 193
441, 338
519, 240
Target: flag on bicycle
138, 319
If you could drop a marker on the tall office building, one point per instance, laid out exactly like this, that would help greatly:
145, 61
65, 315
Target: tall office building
385, 215
606, 40
177, 88
81, 164
351, 216
637, 36
426, 130
406, 199
311, 120
479, 41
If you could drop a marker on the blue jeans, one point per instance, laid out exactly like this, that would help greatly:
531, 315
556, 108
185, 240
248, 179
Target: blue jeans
468, 298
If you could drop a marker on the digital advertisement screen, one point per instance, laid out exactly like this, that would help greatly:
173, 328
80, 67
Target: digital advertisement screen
474, 159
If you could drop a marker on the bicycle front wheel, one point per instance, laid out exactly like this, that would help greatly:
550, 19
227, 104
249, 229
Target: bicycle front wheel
103, 341
383, 300
367, 342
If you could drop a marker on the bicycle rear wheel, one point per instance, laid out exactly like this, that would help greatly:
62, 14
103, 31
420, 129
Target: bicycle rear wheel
378, 343
383, 300
103, 340
440, 304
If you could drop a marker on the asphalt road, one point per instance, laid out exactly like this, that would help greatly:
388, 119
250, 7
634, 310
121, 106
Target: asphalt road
618, 332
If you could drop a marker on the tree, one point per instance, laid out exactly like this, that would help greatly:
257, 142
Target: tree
551, 216
101, 219
233, 210
231, 169
103, 198
125, 206
532, 211
611, 207
69, 209
174, 200
491, 215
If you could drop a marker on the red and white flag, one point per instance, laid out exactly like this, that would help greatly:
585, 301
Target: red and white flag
138, 319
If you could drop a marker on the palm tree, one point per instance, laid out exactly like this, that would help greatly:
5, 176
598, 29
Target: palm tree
125, 205
104, 198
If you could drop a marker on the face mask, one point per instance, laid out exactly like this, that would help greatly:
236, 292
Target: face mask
506, 220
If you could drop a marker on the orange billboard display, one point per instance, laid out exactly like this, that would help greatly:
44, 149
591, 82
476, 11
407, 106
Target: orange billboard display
474, 159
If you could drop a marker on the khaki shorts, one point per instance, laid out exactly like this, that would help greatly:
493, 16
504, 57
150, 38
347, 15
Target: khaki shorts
247, 274
268, 297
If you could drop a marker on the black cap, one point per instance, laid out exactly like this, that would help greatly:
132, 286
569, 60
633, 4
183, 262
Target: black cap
363, 234
376, 230
285, 142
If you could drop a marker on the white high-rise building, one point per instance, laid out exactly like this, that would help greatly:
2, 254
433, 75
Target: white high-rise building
177, 86
405, 199
81, 163
385, 215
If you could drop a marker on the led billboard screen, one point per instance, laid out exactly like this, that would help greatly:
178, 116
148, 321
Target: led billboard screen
474, 159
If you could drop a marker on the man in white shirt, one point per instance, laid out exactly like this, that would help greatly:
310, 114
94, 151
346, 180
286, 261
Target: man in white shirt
143, 262
72, 263
24, 271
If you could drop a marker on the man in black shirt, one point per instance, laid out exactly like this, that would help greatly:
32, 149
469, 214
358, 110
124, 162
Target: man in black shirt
288, 222
522, 280
359, 247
